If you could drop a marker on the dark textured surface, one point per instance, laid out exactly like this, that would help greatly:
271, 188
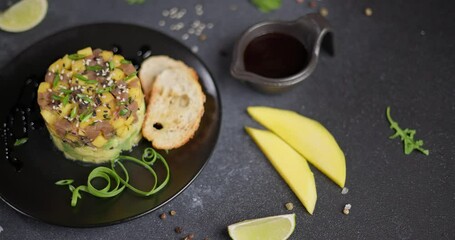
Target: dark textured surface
401, 56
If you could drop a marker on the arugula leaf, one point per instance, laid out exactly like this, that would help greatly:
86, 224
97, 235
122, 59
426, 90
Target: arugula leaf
407, 136
267, 5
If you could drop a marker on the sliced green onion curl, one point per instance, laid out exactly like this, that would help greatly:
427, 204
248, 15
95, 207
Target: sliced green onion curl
114, 183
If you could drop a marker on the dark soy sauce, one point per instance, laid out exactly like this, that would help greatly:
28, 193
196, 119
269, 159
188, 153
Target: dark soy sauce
275, 55
22, 118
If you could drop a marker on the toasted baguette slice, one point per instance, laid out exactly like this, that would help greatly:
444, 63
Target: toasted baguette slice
152, 67
175, 108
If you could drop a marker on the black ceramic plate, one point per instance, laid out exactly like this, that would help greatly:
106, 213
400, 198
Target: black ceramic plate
27, 184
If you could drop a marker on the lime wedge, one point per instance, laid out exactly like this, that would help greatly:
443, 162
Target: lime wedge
23, 15
269, 228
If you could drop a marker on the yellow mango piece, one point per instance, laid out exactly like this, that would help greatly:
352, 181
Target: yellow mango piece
49, 116
85, 51
67, 109
136, 93
71, 137
118, 123
129, 121
306, 136
122, 131
106, 97
117, 74
117, 60
99, 141
77, 66
57, 66
43, 86
107, 55
292, 167
66, 62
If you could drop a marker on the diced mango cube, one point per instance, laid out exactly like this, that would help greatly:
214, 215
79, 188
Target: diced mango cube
67, 109
117, 60
106, 97
129, 120
43, 87
66, 62
49, 116
136, 93
99, 141
121, 132
118, 123
107, 55
85, 51
117, 74
78, 66
57, 66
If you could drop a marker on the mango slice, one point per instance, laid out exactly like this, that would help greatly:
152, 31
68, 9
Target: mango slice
306, 136
292, 167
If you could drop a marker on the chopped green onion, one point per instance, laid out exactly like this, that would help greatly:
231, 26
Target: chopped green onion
56, 80
407, 136
83, 78
66, 99
115, 184
20, 141
111, 65
76, 56
94, 68
130, 76
123, 112
66, 91
85, 117
84, 98
56, 97
103, 90
64, 182
73, 112
124, 61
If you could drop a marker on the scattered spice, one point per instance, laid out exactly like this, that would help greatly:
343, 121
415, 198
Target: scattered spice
203, 37
324, 12
178, 230
289, 206
163, 216
189, 237
368, 11
300, 1
407, 136
345, 190
172, 212
346, 209
312, 4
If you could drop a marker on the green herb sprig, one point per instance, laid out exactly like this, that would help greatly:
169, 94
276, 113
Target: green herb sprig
115, 184
407, 136
267, 5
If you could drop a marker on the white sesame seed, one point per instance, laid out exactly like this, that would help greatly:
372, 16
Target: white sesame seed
165, 13
195, 49
191, 31
162, 23
210, 25
185, 36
